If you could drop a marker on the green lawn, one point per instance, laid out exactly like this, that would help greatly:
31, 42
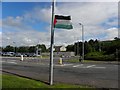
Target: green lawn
12, 81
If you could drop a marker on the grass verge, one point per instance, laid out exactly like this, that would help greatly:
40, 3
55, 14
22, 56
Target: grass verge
12, 81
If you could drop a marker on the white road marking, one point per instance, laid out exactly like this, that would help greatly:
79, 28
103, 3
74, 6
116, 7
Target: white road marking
78, 65
81, 66
67, 64
12, 62
63, 65
99, 67
59, 65
90, 66
2, 61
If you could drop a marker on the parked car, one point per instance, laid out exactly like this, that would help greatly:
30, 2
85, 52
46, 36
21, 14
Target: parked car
18, 54
8, 53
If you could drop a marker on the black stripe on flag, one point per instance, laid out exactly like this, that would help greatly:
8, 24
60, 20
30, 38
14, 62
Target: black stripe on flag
62, 17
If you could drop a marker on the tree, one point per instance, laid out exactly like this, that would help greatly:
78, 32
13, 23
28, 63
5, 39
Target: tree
70, 48
42, 47
96, 45
8, 49
32, 49
91, 43
23, 49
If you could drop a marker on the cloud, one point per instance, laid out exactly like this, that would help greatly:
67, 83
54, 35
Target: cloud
11, 21
38, 14
25, 38
111, 33
91, 15
14, 23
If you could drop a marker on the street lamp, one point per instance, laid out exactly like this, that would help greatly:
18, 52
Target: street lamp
82, 41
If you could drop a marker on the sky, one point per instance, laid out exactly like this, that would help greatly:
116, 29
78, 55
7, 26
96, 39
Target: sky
28, 23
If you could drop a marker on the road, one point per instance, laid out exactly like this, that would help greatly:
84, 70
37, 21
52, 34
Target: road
101, 75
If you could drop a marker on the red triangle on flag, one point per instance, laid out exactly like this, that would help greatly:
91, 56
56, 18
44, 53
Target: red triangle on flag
55, 21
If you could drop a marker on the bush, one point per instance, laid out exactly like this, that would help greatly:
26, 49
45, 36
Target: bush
98, 56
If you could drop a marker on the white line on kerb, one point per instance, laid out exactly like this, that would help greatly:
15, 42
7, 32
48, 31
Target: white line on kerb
90, 66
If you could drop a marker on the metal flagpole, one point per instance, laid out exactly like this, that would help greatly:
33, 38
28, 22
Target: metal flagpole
51, 47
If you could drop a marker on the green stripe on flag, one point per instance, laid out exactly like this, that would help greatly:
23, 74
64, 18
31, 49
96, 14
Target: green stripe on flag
63, 26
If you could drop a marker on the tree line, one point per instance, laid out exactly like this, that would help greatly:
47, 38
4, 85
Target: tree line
98, 49
24, 49
92, 49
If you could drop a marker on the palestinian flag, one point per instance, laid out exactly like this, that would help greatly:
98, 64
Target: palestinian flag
63, 22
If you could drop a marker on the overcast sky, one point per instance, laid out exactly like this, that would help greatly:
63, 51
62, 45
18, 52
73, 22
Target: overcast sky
28, 23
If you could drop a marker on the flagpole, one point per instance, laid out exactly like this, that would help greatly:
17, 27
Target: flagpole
51, 47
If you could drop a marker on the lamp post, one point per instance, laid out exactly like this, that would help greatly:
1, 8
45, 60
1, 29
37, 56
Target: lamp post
82, 41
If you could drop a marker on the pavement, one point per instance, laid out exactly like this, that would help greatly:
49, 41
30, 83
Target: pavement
100, 75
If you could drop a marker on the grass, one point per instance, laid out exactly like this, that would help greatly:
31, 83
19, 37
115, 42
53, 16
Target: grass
12, 81
44, 57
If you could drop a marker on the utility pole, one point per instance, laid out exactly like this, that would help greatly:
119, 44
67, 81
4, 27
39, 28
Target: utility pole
51, 47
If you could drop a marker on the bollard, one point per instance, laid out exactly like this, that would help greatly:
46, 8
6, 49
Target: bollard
41, 56
60, 60
21, 57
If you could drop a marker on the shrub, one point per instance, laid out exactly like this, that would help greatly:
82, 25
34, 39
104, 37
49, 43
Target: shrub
98, 56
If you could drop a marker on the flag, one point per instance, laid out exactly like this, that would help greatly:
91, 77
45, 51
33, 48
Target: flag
62, 22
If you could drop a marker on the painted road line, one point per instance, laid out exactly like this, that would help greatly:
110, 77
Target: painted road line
12, 62
2, 61
90, 66
67, 64
100, 67
78, 65
63, 64
59, 65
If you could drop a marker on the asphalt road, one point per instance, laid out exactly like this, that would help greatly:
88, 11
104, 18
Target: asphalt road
101, 75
